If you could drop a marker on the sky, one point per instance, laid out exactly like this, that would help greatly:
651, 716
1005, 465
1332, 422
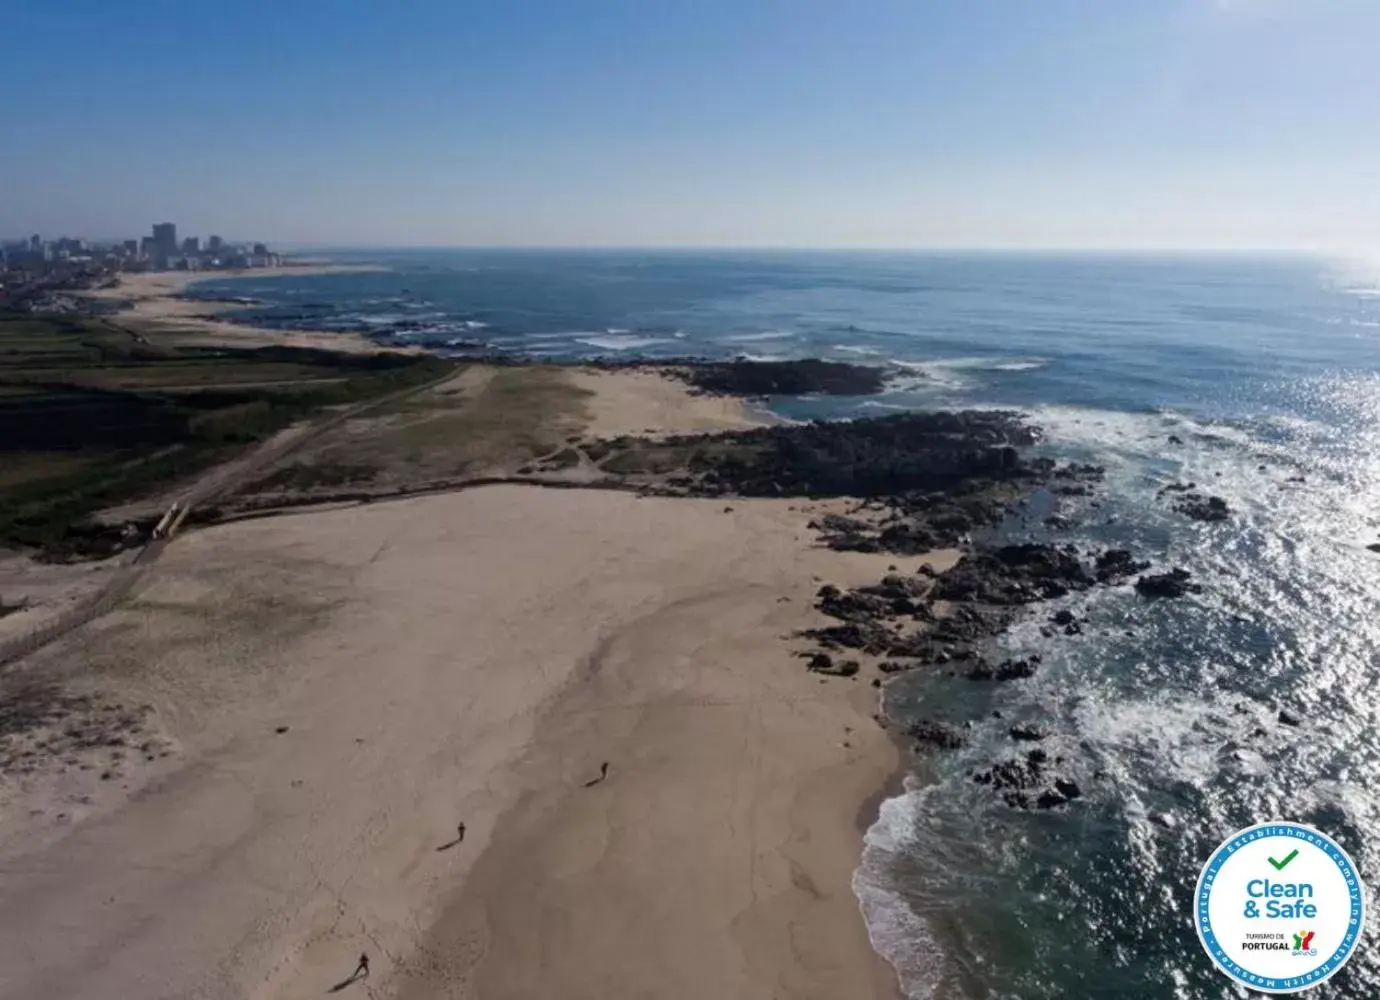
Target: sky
1207, 124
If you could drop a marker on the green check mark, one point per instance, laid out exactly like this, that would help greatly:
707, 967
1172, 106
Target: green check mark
1279, 865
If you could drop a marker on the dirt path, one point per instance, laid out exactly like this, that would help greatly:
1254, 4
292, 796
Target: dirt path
220, 480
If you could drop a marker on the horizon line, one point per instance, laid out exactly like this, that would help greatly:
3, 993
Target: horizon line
295, 245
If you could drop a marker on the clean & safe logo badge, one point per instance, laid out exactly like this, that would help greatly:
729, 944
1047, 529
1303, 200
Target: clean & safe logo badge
1279, 907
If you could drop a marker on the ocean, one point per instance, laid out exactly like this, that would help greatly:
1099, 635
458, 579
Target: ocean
1266, 368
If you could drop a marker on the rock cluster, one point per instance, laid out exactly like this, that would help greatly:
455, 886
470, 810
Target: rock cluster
1026, 782
810, 376
1175, 583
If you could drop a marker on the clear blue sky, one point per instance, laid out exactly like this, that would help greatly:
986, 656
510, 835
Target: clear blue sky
1058, 123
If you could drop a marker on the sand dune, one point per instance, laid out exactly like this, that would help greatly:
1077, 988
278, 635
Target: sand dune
472, 658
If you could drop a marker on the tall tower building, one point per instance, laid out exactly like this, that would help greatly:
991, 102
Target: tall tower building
165, 238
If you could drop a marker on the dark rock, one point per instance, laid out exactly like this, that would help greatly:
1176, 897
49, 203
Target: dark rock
1175, 439
1175, 583
1202, 507
1011, 670
1022, 733
1006, 670
1049, 799
1068, 788
893, 667
1062, 617
783, 378
941, 735
280, 730
855, 606
1374, 547
867, 636
1013, 574
823, 663
1114, 565
1289, 718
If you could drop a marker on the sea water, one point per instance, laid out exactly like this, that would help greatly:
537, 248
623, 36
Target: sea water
1266, 368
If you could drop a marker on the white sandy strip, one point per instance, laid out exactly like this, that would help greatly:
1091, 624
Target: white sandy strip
154, 306
466, 658
634, 401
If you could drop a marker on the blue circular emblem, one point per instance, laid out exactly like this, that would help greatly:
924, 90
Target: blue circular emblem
1279, 907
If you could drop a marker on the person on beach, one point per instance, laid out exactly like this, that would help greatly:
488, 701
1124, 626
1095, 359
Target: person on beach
362, 969
603, 770
460, 833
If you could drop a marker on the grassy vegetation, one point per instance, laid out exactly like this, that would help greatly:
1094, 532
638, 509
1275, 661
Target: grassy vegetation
481, 426
92, 415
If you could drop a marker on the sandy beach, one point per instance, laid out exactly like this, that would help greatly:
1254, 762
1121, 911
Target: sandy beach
325, 696
154, 307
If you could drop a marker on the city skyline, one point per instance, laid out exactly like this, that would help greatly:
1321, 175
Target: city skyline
1153, 124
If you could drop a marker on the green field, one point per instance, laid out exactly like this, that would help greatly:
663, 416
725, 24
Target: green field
92, 415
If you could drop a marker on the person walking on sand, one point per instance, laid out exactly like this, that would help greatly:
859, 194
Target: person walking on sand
603, 770
362, 969
460, 833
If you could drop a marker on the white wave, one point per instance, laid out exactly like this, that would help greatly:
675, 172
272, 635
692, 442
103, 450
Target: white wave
974, 364
926, 378
756, 338
619, 342
896, 932
855, 349
760, 357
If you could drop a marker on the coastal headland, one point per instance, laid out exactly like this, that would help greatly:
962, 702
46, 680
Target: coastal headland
155, 301
362, 703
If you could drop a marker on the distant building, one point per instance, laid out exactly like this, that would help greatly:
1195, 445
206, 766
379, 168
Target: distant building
165, 239
214, 243
147, 247
131, 248
191, 246
35, 243
260, 250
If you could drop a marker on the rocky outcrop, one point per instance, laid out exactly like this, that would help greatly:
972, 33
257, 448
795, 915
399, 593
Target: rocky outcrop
1115, 565
940, 735
1175, 583
1026, 782
1203, 507
823, 663
1015, 574
1006, 670
809, 376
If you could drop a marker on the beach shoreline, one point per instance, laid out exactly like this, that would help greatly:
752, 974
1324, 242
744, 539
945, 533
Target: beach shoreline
155, 304
645, 631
